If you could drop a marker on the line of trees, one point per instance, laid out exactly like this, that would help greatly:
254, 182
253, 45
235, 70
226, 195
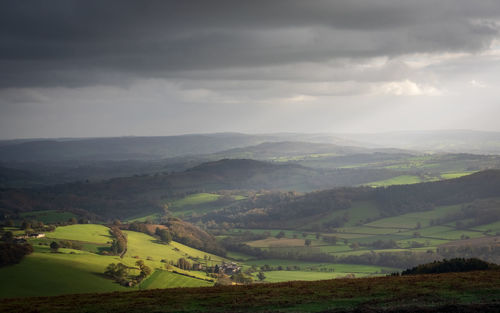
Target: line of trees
119, 245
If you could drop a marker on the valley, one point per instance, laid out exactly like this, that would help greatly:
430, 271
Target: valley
296, 212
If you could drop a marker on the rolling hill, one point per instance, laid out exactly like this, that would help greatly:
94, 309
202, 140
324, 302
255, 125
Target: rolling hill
44, 273
129, 196
138, 148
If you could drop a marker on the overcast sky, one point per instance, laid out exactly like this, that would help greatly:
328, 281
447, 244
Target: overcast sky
113, 68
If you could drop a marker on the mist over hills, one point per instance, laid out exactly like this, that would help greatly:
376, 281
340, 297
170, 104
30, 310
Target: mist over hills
45, 162
66, 160
151, 148
458, 141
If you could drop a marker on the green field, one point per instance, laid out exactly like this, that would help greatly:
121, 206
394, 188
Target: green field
47, 274
195, 199
198, 203
409, 232
239, 256
281, 276
274, 232
166, 279
411, 220
144, 246
455, 175
398, 180
44, 273
145, 218
357, 213
493, 227
82, 232
318, 266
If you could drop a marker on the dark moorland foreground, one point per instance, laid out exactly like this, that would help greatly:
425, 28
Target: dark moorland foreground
477, 291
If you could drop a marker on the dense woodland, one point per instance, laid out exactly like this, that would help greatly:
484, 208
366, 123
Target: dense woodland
452, 265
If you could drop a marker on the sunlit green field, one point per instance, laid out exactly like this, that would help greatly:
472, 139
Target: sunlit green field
195, 199
82, 232
44, 273
455, 175
165, 279
493, 227
398, 180
280, 276
47, 274
318, 266
144, 246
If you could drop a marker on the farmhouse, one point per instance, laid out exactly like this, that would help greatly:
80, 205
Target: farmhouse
32, 235
36, 235
230, 268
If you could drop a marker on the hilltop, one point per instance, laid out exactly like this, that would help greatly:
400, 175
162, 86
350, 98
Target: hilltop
128, 196
137, 148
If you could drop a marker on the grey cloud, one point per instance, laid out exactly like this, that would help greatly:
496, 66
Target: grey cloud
79, 43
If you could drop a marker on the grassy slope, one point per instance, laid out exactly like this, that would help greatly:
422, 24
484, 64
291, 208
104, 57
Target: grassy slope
282, 276
82, 232
316, 271
398, 180
478, 288
144, 246
46, 274
410, 220
72, 271
195, 199
165, 279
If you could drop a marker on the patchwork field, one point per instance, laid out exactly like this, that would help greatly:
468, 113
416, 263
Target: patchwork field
410, 232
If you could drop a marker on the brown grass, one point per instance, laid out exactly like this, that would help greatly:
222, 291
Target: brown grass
471, 289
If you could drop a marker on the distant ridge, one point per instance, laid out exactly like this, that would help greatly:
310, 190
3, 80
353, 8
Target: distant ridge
131, 148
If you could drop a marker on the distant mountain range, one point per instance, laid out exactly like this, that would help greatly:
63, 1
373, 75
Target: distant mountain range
155, 148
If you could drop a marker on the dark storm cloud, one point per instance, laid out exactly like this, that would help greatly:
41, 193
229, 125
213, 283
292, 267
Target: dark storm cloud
78, 43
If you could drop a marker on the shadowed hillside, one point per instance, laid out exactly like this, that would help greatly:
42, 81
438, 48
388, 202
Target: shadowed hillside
451, 292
